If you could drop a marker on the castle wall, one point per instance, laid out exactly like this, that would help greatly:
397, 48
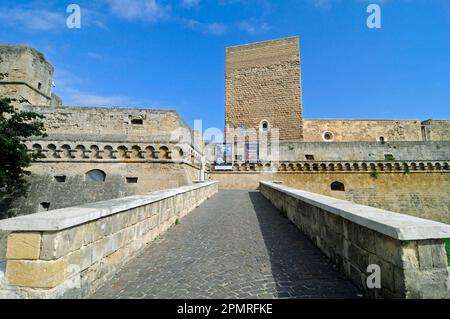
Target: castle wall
436, 130
25, 75
121, 142
365, 151
263, 83
420, 194
77, 189
111, 124
361, 130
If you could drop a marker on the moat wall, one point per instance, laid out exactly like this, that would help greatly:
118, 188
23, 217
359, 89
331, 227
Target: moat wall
45, 190
421, 194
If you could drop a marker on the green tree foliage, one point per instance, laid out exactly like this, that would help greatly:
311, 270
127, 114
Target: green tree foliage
15, 128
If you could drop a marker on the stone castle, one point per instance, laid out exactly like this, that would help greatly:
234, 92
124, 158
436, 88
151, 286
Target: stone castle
124, 176
98, 153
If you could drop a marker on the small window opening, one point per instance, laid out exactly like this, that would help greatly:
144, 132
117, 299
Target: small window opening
96, 175
328, 136
137, 121
381, 139
45, 206
389, 157
132, 180
337, 186
60, 178
39, 85
264, 126
309, 157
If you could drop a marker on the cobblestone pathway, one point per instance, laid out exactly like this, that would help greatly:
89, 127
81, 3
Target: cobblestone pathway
236, 245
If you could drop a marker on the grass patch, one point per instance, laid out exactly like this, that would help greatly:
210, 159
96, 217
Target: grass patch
374, 174
177, 222
447, 248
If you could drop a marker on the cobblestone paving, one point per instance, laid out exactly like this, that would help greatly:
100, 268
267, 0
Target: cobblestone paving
235, 245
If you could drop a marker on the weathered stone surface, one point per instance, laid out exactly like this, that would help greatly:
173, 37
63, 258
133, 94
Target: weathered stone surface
410, 256
263, 84
361, 130
397, 226
35, 273
72, 216
427, 284
3, 243
85, 255
24, 246
25, 74
412, 262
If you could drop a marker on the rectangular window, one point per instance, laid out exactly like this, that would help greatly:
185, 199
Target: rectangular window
60, 178
309, 157
132, 180
389, 157
137, 121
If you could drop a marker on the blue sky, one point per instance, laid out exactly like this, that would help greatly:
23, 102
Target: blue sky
170, 54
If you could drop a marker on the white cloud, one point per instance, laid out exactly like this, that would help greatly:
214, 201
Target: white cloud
67, 87
32, 19
327, 4
215, 28
322, 3
76, 97
253, 28
190, 3
36, 18
144, 10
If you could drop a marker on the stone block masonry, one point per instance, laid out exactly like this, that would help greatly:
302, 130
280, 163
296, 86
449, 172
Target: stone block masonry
263, 84
410, 251
70, 252
25, 75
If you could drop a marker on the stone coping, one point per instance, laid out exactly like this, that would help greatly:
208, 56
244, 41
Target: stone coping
395, 225
63, 218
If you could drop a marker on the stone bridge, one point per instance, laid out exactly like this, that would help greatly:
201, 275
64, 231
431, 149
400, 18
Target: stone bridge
276, 243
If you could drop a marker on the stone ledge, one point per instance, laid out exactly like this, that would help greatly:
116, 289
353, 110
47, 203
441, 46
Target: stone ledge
395, 225
64, 218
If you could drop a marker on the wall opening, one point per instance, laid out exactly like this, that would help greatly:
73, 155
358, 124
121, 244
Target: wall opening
328, 136
96, 175
389, 157
132, 180
381, 139
44, 206
60, 178
39, 85
309, 157
264, 126
137, 121
337, 186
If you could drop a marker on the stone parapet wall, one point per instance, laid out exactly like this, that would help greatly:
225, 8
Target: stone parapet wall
113, 124
409, 251
344, 166
68, 253
361, 130
365, 151
436, 130
91, 151
424, 194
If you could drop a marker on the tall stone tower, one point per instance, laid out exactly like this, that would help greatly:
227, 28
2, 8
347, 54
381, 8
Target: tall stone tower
263, 87
25, 76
